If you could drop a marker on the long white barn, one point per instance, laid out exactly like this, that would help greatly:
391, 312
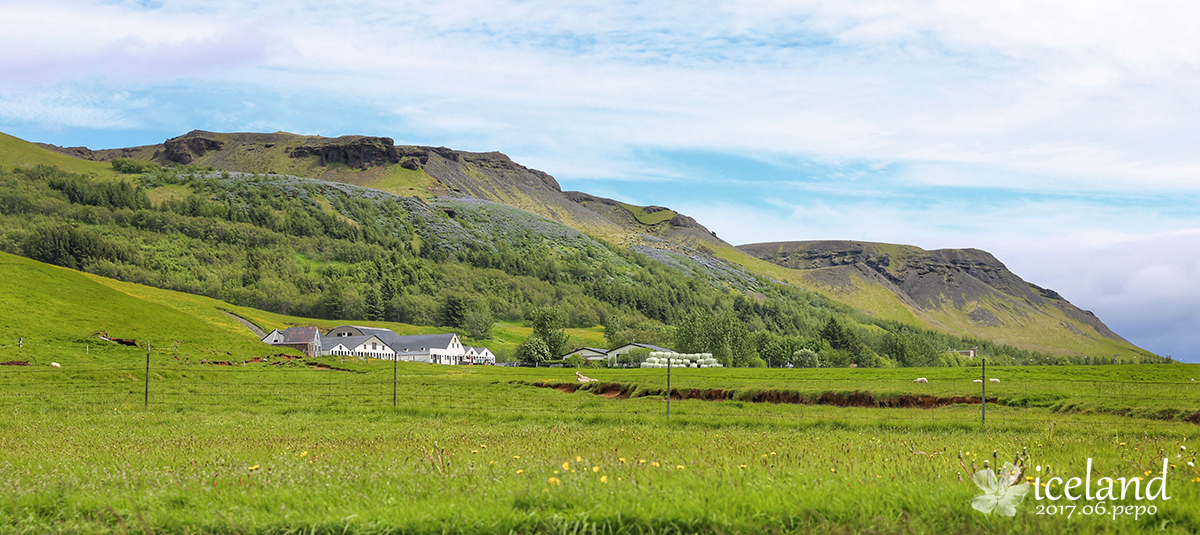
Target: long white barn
432, 348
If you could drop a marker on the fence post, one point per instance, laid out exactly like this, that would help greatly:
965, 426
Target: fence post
669, 386
983, 394
146, 402
395, 366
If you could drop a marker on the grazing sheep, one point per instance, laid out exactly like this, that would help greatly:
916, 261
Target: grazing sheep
977, 381
920, 380
584, 379
55, 365
993, 380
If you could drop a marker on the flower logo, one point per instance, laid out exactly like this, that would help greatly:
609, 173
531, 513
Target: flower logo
1000, 494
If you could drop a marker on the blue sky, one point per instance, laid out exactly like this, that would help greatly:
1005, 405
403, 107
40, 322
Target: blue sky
1058, 135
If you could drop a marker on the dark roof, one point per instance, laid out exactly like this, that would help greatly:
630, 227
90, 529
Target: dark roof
400, 344
298, 335
410, 344
646, 346
350, 342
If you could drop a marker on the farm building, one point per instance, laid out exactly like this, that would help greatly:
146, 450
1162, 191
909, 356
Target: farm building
614, 354
480, 355
306, 339
360, 346
433, 348
610, 355
588, 353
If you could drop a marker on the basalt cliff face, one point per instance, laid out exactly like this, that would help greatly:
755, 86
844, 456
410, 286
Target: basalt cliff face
966, 290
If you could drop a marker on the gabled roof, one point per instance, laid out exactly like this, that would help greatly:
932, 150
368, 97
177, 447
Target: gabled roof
350, 342
293, 335
299, 335
645, 346
400, 344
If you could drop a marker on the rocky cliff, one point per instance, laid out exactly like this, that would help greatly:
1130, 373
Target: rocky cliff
968, 283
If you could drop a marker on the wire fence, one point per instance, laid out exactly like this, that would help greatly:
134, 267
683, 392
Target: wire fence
166, 380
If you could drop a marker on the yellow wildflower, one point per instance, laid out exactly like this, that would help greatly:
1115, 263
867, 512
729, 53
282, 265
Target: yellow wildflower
519, 472
596, 469
641, 461
566, 465
305, 454
679, 467
622, 459
578, 458
604, 479
554, 481
655, 463
253, 468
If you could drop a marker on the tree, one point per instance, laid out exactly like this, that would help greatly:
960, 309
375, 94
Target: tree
806, 358
548, 326
841, 337
724, 336
615, 333
376, 308
454, 310
533, 350
478, 322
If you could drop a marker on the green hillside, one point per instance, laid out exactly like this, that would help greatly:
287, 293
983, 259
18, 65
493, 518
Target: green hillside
433, 251
21, 153
61, 312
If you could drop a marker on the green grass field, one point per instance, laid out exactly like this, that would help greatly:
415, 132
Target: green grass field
287, 445
284, 447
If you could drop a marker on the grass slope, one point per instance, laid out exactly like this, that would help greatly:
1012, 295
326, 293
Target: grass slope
21, 153
59, 312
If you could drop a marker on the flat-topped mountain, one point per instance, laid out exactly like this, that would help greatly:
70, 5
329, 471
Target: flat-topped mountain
964, 290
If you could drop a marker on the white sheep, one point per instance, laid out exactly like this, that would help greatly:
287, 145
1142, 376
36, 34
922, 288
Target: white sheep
55, 365
920, 380
584, 379
977, 381
993, 380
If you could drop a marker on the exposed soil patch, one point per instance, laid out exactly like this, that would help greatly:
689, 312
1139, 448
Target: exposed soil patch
611, 391
123, 341
15, 363
837, 399
217, 362
323, 366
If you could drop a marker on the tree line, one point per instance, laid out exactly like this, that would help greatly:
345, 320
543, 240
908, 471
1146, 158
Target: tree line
314, 249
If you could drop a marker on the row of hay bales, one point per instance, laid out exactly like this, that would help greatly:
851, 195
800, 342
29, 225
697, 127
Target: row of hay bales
663, 359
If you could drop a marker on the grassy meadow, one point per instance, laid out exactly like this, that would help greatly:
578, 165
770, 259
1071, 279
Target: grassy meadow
239, 437
280, 446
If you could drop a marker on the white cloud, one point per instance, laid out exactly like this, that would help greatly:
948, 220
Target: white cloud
1097, 102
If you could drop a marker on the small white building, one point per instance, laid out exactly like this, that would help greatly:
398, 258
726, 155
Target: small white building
588, 353
361, 346
480, 355
306, 339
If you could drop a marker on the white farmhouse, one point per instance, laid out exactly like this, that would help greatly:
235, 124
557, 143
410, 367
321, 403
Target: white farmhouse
359, 346
480, 355
433, 348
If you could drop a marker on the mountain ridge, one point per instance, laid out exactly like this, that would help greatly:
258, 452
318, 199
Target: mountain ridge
958, 291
